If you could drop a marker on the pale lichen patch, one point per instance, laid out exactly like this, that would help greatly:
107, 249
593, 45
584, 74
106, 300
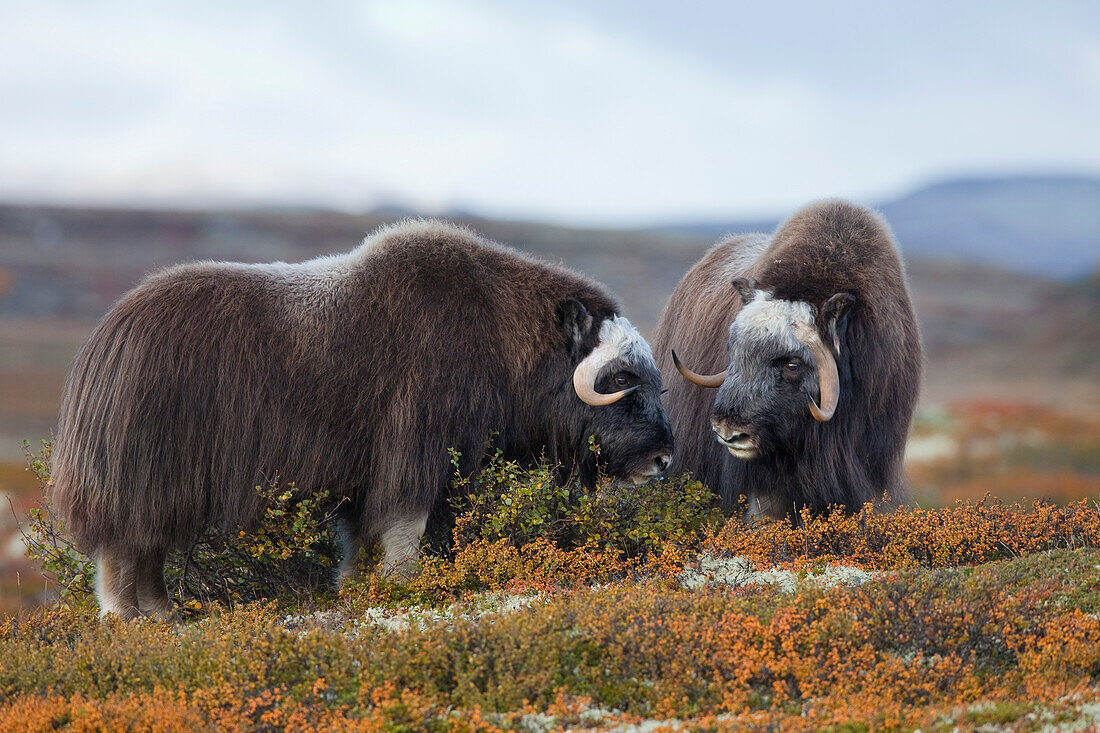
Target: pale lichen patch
737, 571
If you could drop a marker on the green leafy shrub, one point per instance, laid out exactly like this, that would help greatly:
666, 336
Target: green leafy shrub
48, 546
289, 556
504, 501
521, 529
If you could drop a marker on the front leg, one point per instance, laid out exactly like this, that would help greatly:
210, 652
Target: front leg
763, 507
400, 539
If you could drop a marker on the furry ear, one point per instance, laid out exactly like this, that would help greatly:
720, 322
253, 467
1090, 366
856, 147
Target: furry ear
745, 287
834, 317
576, 322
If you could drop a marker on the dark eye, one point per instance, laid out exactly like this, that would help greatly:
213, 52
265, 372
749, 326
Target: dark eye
792, 365
622, 380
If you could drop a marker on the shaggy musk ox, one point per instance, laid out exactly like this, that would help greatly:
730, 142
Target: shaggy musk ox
352, 373
817, 358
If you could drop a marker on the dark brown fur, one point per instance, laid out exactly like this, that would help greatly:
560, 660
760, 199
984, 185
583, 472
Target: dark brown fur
826, 248
209, 379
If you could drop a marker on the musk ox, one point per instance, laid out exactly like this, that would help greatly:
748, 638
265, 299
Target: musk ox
817, 361
352, 373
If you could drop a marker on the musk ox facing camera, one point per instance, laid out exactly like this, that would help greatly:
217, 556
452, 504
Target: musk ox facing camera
816, 358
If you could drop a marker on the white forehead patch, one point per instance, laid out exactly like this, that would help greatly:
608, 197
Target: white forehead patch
619, 338
766, 318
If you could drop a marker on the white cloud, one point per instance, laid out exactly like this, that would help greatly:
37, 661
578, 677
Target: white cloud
509, 109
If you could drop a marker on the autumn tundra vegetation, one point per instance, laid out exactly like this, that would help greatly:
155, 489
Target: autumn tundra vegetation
555, 603
555, 608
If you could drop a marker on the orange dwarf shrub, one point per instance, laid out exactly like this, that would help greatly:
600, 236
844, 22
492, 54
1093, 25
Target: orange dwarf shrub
965, 534
989, 613
909, 649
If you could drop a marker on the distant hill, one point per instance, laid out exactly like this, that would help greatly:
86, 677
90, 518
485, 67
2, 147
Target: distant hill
1047, 225
988, 331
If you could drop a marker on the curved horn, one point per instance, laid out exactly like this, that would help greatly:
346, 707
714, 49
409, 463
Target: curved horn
584, 382
828, 379
703, 380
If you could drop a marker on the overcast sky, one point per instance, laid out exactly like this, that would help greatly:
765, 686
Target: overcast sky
584, 112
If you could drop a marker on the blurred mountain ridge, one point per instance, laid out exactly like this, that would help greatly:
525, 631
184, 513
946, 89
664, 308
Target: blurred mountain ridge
1041, 224
989, 328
